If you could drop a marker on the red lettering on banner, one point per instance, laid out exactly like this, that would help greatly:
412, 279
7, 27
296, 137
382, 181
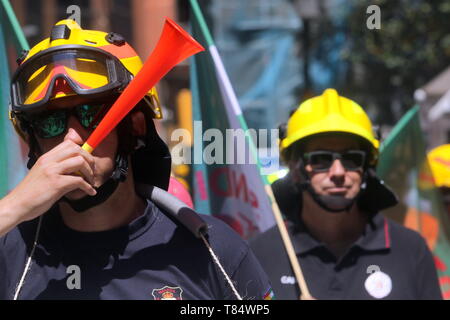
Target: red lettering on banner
253, 199
214, 182
439, 264
445, 280
252, 228
239, 185
236, 185
201, 185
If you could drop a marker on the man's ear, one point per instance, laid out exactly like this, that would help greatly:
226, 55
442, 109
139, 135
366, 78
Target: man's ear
294, 170
138, 124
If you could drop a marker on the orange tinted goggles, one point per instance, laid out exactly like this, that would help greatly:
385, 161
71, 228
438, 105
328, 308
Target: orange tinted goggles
87, 72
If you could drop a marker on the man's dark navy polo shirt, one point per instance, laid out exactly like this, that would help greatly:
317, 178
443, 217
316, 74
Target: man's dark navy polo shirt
388, 261
152, 258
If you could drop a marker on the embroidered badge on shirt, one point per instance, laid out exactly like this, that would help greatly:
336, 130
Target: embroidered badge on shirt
167, 293
269, 295
378, 284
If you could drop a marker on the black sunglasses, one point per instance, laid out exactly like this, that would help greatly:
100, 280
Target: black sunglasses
52, 123
321, 161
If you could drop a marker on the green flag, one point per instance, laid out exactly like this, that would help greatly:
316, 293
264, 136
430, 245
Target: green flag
231, 185
12, 151
404, 167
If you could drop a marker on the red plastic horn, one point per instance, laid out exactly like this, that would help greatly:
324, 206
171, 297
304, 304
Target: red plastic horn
173, 46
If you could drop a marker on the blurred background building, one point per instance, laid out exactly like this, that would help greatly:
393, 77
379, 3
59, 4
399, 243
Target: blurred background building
279, 52
434, 99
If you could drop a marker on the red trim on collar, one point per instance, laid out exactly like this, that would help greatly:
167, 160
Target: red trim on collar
387, 239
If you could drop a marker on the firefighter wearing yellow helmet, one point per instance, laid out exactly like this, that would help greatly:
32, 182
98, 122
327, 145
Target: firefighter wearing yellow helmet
87, 69
322, 117
331, 198
94, 225
439, 160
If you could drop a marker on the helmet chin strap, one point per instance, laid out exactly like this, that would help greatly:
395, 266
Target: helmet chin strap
333, 203
105, 190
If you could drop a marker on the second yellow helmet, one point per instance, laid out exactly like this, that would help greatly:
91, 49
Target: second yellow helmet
439, 159
330, 112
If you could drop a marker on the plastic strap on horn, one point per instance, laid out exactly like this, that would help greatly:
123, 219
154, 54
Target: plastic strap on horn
176, 208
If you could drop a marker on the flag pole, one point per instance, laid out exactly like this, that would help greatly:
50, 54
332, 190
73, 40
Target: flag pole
15, 24
305, 294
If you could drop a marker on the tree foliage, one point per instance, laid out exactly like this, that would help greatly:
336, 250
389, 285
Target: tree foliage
389, 64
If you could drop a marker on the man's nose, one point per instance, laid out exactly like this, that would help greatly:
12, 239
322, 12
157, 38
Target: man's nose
337, 169
75, 131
